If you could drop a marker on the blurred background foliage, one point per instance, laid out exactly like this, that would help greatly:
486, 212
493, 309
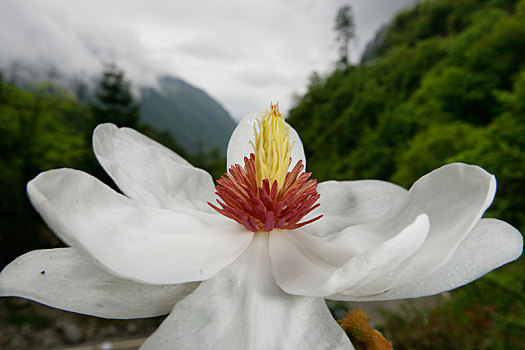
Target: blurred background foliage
445, 83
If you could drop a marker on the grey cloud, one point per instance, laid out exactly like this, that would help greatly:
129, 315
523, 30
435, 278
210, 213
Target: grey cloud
242, 52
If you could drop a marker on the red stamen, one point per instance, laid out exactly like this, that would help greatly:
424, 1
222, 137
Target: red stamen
266, 208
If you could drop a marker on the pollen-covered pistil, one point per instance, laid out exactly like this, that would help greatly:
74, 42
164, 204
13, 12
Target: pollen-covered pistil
263, 195
272, 147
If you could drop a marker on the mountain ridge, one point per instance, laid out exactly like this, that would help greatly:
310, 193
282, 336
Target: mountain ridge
197, 121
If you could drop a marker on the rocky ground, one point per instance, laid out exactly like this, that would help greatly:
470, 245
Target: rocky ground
28, 325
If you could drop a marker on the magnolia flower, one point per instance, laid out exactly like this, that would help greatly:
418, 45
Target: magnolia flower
251, 270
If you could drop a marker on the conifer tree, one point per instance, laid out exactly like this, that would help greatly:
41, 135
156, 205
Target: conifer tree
114, 100
345, 32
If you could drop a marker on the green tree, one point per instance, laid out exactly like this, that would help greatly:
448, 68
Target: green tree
114, 100
345, 32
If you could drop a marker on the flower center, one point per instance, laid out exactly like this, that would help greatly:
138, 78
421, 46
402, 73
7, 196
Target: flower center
263, 195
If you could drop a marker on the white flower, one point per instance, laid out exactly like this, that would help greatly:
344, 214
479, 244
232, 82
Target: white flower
143, 253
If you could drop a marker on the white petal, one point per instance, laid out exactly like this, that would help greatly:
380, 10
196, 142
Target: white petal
242, 308
346, 203
133, 241
240, 147
61, 278
491, 243
316, 266
455, 197
149, 172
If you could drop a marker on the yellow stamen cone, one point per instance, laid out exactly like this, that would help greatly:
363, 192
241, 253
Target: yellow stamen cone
272, 148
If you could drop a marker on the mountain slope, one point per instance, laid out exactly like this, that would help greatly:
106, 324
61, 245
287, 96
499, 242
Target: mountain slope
190, 115
193, 118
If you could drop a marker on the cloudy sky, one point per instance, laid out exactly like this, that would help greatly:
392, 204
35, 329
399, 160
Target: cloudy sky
244, 53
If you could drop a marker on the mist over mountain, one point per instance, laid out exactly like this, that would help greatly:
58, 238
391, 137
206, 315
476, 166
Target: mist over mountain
196, 120
372, 48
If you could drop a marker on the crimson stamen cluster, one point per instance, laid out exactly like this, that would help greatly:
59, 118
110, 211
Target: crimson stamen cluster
266, 208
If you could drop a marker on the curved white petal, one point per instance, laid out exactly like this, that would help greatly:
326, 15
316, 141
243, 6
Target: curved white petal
491, 243
150, 173
346, 203
131, 240
455, 197
321, 266
240, 147
242, 308
61, 278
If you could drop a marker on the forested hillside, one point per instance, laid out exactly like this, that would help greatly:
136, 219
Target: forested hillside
446, 84
40, 130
